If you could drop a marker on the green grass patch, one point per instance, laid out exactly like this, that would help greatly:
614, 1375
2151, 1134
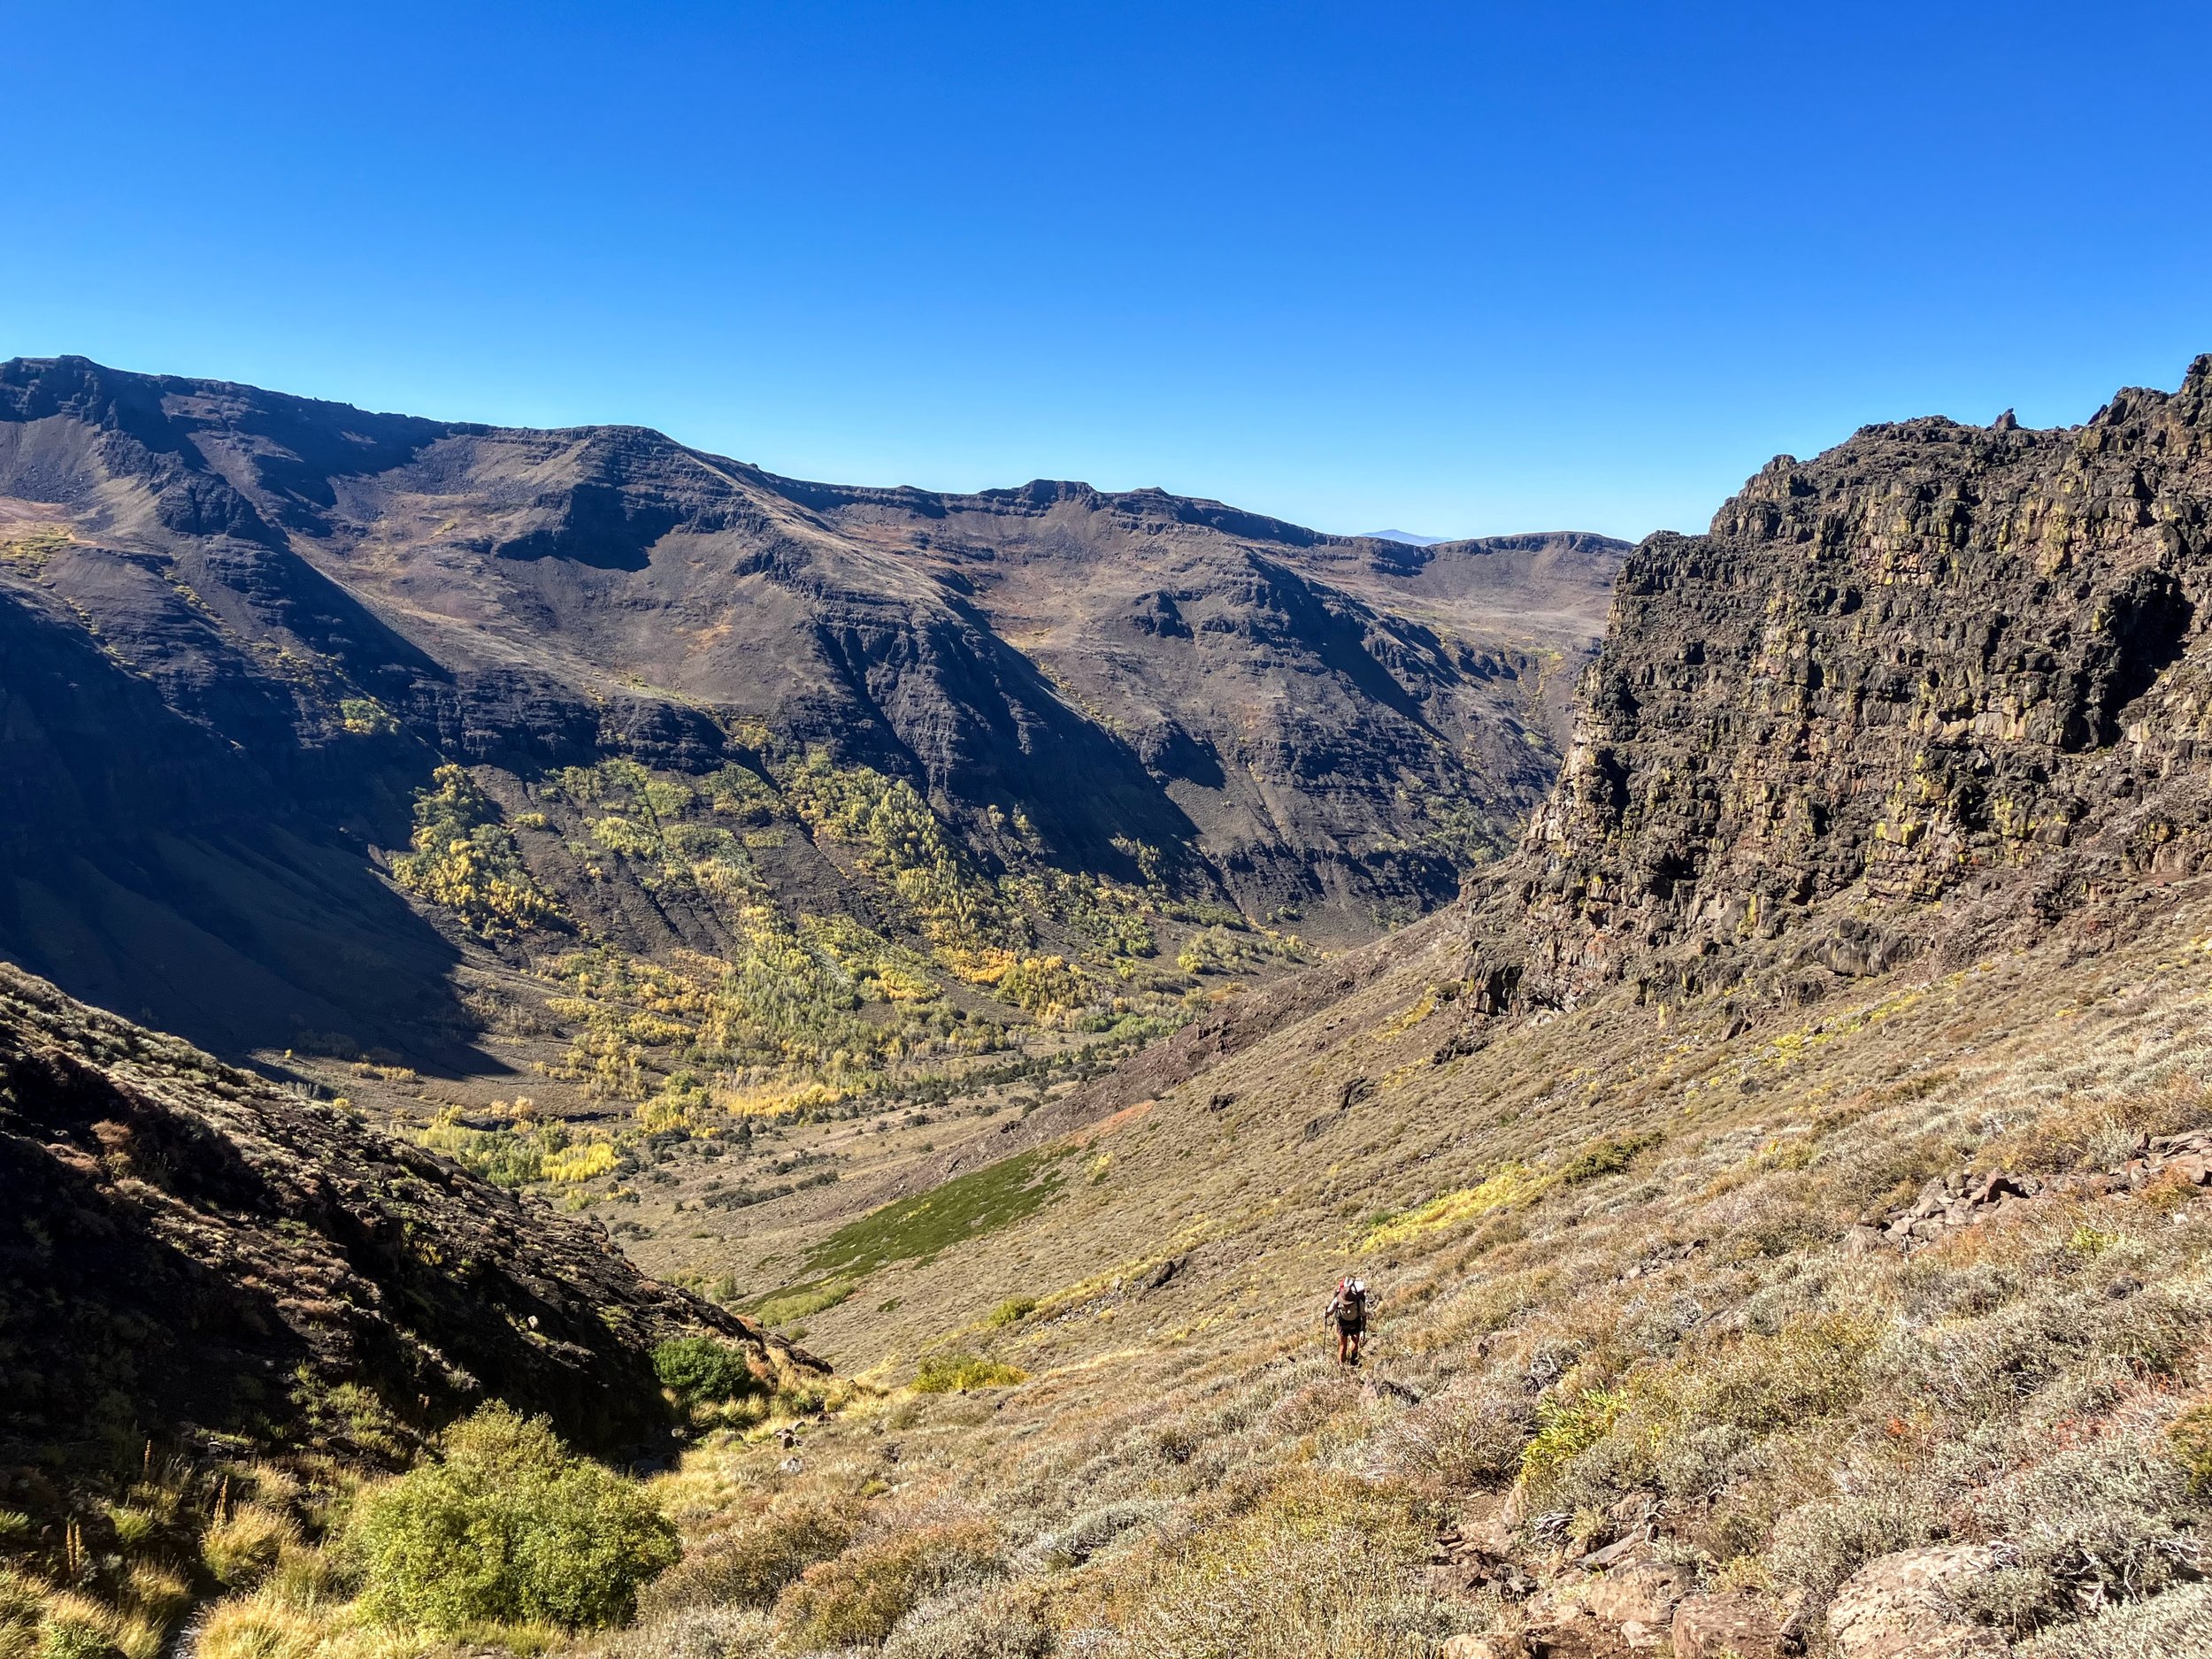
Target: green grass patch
802, 1300
1512, 1184
1607, 1156
917, 1229
1013, 1311
957, 1373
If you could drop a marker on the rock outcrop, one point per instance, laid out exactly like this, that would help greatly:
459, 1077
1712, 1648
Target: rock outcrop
1904, 1606
188, 1252
1938, 689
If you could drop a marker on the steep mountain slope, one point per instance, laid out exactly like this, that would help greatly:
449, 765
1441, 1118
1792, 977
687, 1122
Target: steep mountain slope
186, 1251
244, 628
1785, 1175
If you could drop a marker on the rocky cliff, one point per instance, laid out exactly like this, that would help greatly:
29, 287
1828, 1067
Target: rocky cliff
1939, 689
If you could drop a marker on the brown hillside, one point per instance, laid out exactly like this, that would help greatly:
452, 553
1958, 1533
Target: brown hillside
191, 1254
245, 628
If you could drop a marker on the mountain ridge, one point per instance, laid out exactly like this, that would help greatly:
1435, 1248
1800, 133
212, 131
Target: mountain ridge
340, 598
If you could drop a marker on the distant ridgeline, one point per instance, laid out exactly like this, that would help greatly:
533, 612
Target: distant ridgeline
699, 788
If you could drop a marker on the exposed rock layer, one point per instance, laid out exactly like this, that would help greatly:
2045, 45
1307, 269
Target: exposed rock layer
1935, 690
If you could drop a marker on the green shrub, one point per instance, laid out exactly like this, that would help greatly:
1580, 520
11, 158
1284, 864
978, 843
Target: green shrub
859, 1597
505, 1526
703, 1371
957, 1373
1566, 1428
1013, 1311
73, 1639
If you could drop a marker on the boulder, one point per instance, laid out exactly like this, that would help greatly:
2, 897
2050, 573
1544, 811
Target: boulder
1514, 1647
1644, 1593
1904, 1606
1707, 1626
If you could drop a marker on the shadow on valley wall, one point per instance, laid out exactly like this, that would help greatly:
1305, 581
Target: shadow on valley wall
150, 866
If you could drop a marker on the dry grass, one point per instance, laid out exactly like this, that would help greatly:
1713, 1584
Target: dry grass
1588, 1314
1613, 1271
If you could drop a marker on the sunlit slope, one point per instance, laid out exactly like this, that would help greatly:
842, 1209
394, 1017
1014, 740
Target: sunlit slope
1784, 1174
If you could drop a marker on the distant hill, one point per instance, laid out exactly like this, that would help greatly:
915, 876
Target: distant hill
1406, 536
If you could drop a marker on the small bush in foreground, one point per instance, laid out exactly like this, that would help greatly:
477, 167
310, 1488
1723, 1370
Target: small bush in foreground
505, 1526
748, 1565
1321, 1565
998, 1627
860, 1597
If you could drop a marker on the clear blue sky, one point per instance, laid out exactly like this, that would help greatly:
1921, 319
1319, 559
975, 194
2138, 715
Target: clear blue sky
1454, 268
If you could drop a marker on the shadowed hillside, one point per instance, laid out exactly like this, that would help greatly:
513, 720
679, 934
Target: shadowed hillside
191, 1253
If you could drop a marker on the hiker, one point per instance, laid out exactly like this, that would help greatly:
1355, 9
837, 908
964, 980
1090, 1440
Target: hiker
1347, 1312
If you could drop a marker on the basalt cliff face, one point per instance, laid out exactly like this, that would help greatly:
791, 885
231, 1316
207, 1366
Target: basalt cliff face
241, 629
1938, 690
188, 1251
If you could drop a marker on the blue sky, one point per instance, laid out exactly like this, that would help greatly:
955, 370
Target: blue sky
1458, 269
